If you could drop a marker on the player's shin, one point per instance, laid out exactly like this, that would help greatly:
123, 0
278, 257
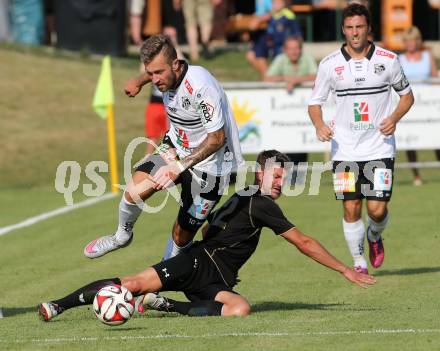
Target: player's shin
128, 215
172, 249
354, 236
84, 295
375, 229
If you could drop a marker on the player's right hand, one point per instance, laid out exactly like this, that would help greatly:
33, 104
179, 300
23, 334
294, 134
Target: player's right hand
324, 132
361, 279
132, 87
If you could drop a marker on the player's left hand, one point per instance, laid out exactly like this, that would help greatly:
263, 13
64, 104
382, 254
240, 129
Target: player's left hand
361, 279
388, 126
166, 175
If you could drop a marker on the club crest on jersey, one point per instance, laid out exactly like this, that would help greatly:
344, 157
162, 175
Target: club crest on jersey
182, 139
188, 86
379, 68
185, 103
207, 111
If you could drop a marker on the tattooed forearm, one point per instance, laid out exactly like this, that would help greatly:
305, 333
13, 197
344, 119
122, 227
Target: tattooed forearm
211, 144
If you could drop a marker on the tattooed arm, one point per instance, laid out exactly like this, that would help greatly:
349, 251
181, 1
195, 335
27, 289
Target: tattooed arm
211, 144
167, 174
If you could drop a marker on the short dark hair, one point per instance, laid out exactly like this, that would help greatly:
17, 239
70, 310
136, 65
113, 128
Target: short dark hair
277, 156
297, 38
155, 45
356, 10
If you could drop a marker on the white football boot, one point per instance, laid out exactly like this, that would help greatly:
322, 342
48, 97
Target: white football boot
48, 310
103, 245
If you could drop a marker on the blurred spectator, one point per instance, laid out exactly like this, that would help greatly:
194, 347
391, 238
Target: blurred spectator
173, 23
294, 67
221, 13
5, 31
282, 23
49, 21
135, 20
198, 13
27, 22
156, 122
418, 64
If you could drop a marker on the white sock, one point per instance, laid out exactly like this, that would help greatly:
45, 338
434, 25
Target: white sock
128, 215
354, 236
172, 249
376, 228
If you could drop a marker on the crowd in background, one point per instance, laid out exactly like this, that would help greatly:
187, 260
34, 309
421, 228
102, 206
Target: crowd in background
274, 33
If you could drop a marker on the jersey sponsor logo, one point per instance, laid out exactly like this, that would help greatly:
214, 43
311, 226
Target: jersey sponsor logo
188, 86
172, 109
201, 207
344, 182
182, 138
359, 81
382, 179
361, 115
379, 68
385, 53
360, 110
185, 103
339, 70
207, 111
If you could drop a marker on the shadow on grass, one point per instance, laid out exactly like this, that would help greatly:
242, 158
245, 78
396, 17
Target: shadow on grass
407, 271
288, 306
13, 311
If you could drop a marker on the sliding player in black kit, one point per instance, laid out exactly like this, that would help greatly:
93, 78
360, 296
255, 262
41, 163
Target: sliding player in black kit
207, 271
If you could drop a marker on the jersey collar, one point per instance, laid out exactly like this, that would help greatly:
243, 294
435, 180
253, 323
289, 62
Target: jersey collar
179, 81
368, 56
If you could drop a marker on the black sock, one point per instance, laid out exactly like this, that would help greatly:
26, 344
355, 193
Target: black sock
85, 295
196, 309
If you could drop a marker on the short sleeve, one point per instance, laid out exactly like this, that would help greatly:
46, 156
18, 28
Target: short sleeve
275, 67
322, 85
210, 108
266, 213
399, 81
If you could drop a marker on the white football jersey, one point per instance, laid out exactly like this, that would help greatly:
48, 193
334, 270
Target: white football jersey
197, 107
362, 91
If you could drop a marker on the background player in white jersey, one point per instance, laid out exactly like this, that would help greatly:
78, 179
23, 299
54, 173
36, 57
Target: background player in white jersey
199, 151
361, 76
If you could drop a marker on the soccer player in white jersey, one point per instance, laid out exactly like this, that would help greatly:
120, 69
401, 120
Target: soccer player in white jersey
361, 76
199, 151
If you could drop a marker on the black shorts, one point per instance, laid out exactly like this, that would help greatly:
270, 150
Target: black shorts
200, 192
372, 180
193, 273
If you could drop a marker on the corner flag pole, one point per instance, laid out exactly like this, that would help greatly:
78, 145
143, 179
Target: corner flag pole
103, 103
113, 160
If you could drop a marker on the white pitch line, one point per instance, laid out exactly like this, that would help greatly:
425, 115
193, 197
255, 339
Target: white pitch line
32, 220
220, 335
